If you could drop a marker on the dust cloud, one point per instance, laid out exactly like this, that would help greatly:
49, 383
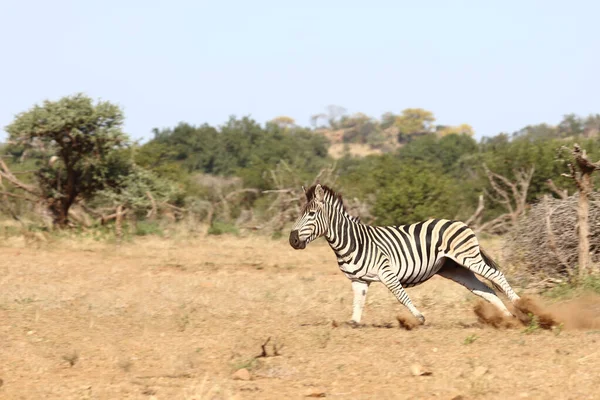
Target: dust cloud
580, 313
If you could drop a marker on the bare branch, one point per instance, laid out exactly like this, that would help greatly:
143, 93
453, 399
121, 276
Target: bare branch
512, 195
240, 191
278, 191
152, 213
173, 207
9, 176
563, 194
120, 212
17, 196
477, 214
552, 237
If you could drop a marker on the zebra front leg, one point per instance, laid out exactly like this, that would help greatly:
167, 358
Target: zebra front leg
391, 281
360, 289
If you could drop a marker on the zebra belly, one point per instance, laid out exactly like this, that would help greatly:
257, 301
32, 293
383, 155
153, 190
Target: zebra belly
353, 272
420, 276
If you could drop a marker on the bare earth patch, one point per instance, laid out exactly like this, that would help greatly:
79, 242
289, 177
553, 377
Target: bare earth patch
166, 319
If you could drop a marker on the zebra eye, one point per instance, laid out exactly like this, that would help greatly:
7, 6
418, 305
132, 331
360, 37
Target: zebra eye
311, 213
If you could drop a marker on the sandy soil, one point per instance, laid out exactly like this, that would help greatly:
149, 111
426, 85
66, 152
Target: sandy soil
166, 319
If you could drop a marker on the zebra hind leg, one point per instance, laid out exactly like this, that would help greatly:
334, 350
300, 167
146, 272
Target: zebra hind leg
481, 264
451, 270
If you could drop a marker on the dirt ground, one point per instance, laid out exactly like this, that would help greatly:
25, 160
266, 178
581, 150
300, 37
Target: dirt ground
167, 319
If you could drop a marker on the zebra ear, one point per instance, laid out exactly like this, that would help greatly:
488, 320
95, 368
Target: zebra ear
319, 193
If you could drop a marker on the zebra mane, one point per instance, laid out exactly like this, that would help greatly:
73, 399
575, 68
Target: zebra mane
334, 199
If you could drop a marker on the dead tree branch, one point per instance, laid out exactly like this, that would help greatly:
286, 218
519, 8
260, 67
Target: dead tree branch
552, 238
152, 212
475, 219
119, 213
511, 195
9, 176
563, 194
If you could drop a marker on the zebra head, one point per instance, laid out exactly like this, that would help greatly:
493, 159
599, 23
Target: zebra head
313, 221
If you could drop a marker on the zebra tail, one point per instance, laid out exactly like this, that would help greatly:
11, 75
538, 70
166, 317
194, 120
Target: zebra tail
491, 263
488, 260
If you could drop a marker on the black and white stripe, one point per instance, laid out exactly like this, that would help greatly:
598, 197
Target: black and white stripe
398, 256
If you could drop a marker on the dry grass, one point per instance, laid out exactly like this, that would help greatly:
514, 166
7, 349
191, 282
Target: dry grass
170, 319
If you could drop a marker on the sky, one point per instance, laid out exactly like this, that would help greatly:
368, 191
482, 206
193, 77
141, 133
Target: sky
496, 65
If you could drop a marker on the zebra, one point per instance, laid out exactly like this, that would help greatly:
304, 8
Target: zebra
398, 256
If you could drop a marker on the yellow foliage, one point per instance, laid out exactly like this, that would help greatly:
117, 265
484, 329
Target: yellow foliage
284, 121
462, 129
414, 120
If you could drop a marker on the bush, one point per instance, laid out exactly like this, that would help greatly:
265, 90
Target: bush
220, 228
146, 228
545, 241
590, 284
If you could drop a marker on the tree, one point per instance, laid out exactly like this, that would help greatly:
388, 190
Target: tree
462, 129
334, 113
359, 128
140, 191
195, 147
592, 126
581, 170
536, 132
388, 120
414, 122
408, 192
511, 195
447, 150
284, 122
571, 125
314, 119
79, 141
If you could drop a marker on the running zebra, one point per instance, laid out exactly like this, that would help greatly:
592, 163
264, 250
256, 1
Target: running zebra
399, 256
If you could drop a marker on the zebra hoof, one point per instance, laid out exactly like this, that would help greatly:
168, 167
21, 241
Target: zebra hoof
353, 324
421, 319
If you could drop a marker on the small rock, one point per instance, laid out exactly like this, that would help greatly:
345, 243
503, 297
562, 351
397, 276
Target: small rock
30, 332
480, 371
241, 375
418, 370
435, 349
458, 397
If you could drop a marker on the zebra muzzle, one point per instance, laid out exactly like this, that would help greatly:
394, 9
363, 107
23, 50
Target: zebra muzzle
295, 241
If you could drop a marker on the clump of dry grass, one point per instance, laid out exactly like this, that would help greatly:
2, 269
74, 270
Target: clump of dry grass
71, 357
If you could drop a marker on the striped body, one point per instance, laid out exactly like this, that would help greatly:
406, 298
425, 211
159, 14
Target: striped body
414, 252
398, 256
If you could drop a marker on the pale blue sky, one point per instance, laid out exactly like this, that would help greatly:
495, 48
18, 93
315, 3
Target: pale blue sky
497, 65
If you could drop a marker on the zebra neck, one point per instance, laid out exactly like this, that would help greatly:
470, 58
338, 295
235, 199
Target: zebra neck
342, 233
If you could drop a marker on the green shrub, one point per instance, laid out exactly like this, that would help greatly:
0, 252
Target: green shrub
146, 228
590, 284
220, 228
